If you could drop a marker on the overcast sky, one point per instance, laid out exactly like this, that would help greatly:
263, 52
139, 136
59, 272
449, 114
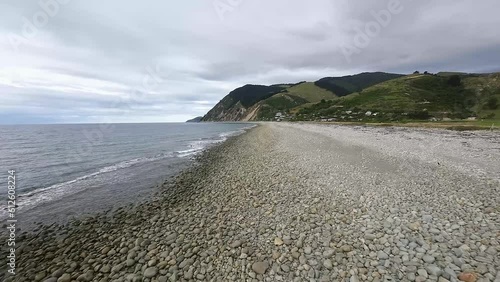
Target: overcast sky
155, 61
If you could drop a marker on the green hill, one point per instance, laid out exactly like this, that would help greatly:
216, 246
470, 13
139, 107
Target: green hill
309, 92
296, 95
414, 97
249, 94
234, 105
260, 102
281, 102
487, 90
346, 85
367, 97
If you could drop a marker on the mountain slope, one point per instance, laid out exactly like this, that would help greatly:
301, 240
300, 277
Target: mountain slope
487, 90
288, 99
414, 97
259, 102
196, 119
234, 106
346, 85
281, 102
309, 92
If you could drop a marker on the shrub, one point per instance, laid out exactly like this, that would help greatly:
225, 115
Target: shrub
422, 115
492, 103
489, 116
455, 80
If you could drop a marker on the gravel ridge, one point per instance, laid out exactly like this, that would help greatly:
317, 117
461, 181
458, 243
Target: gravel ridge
298, 202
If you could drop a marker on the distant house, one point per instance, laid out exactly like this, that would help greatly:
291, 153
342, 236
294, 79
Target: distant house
472, 118
368, 114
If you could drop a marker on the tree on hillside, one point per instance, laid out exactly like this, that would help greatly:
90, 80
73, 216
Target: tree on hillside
426, 72
416, 72
492, 103
454, 80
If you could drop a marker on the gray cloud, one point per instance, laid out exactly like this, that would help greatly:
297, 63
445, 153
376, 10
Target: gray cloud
90, 62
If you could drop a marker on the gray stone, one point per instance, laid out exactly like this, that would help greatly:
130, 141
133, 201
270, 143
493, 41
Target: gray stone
189, 274
105, 269
382, 255
328, 253
58, 273
370, 237
327, 263
64, 278
171, 237
260, 267
434, 270
40, 275
129, 262
427, 218
423, 273
150, 272
428, 258
86, 277
236, 244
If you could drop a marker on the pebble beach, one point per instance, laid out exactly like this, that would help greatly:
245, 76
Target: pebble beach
298, 202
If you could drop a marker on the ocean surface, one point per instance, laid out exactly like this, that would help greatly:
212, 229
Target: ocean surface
63, 171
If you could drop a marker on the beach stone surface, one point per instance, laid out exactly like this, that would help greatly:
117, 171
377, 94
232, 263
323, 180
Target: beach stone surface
298, 202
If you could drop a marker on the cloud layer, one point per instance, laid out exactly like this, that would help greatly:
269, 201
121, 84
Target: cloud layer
66, 61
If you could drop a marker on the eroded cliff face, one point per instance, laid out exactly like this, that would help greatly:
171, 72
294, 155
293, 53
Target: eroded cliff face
221, 113
237, 112
252, 113
241, 103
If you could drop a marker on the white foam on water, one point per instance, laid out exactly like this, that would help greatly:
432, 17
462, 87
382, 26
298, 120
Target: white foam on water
31, 199
56, 191
198, 146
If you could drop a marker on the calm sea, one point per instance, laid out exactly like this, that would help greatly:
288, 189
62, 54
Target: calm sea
63, 171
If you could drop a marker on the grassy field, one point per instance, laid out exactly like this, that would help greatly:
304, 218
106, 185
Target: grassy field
411, 93
310, 92
486, 87
415, 97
